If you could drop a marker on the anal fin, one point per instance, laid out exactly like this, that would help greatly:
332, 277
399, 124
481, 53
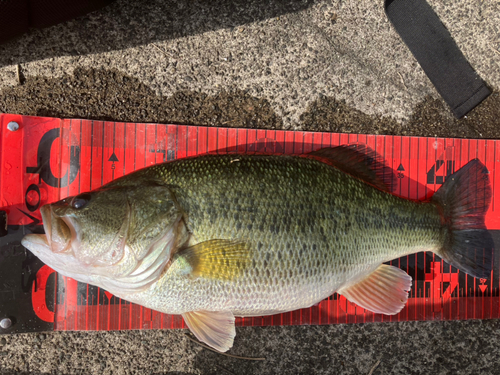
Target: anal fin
214, 328
384, 291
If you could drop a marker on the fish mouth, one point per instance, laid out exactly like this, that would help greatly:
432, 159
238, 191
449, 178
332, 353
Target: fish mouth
59, 230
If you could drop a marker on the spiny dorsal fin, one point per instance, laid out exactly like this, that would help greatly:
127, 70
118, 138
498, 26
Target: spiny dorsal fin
217, 259
359, 161
384, 291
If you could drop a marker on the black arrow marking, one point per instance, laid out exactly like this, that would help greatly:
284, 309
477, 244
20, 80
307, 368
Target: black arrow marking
401, 168
113, 158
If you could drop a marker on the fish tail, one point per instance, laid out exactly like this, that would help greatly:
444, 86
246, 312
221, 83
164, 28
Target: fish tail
463, 200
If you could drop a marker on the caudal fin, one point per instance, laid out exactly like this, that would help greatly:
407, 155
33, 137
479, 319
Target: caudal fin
464, 199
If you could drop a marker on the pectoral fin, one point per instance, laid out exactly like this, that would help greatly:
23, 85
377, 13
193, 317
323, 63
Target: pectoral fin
214, 328
217, 259
384, 291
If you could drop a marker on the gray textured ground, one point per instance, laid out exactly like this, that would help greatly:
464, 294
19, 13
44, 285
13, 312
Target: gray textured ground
334, 65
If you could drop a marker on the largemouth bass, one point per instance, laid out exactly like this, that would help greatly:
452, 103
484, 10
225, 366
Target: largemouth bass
219, 236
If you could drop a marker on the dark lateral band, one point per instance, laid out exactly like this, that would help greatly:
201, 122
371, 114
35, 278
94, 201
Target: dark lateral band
438, 54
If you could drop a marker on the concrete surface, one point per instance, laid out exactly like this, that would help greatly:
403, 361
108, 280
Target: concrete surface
334, 65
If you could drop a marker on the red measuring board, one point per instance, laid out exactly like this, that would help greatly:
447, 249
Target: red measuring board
48, 159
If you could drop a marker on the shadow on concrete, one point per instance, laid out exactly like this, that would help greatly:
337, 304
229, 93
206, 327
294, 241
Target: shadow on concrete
129, 23
111, 95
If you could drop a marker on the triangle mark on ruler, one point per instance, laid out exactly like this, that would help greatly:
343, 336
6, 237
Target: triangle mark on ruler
113, 158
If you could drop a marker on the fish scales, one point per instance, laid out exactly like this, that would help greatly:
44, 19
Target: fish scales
310, 227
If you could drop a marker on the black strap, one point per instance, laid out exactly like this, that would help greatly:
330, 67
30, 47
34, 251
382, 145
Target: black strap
438, 54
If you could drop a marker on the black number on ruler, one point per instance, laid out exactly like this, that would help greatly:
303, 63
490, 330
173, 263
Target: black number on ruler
43, 167
167, 154
44, 171
113, 159
401, 169
433, 178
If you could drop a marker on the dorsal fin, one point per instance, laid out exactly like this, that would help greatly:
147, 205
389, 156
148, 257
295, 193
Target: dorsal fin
359, 161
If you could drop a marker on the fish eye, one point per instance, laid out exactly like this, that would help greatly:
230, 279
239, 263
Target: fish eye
80, 201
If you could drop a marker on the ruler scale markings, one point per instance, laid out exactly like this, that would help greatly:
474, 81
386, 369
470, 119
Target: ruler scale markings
97, 320
439, 297
405, 309
102, 153
471, 300
112, 177
79, 190
208, 138
493, 208
69, 156
246, 141
125, 148
269, 320
91, 151
475, 250
135, 146
186, 141
157, 146
451, 300
376, 147
114, 138
337, 307
462, 307
415, 289
239, 141
292, 314
197, 139
480, 307
322, 308
420, 281
377, 152
217, 141
471, 290
135, 168
87, 310
466, 277
307, 313
165, 145
301, 312
236, 140
429, 311
56, 275
414, 176
424, 310
59, 159
109, 316
358, 309
490, 146
483, 306
91, 163
396, 261
146, 164
494, 173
